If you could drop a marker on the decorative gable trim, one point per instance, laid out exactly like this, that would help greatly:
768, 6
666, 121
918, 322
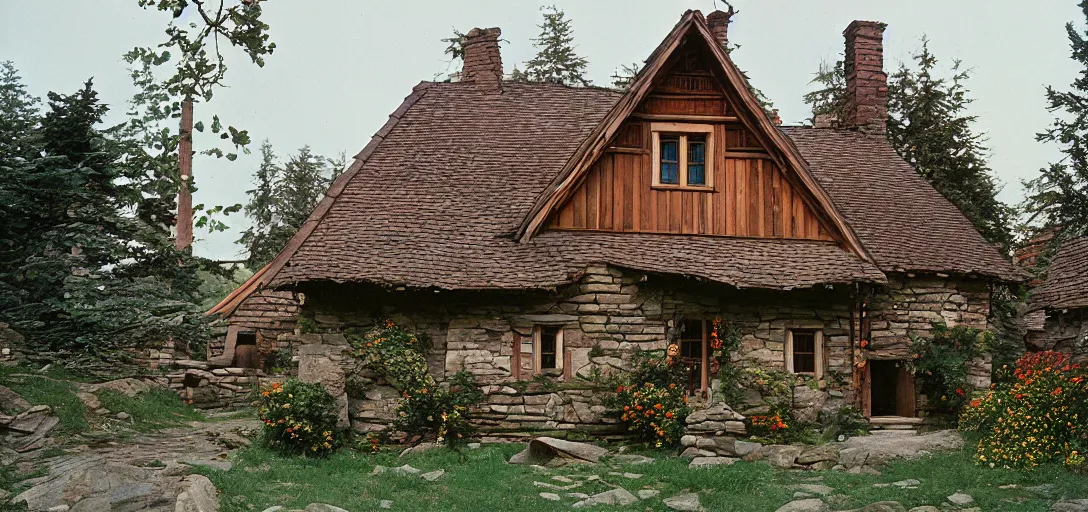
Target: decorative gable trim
780, 148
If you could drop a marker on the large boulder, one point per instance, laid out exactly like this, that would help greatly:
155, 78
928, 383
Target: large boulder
880, 448
549, 450
199, 495
11, 402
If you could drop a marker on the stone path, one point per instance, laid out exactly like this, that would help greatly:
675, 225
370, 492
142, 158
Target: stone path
144, 472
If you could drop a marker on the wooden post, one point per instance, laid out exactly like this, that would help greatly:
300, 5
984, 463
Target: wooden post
184, 236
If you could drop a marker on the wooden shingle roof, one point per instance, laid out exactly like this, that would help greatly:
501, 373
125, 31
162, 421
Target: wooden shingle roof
1066, 283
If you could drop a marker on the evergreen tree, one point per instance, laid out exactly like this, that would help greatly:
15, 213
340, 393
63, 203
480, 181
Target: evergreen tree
283, 199
556, 61
623, 76
1058, 197
929, 127
830, 99
83, 277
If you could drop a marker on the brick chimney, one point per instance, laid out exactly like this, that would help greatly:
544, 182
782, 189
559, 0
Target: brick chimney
482, 60
866, 83
718, 21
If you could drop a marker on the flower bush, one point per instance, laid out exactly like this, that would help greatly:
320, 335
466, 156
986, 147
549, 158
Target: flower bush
941, 363
653, 414
652, 403
427, 409
299, 417
1038, 418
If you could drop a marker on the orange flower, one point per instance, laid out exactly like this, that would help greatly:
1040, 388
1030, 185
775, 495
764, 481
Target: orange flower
668, 415
658, 406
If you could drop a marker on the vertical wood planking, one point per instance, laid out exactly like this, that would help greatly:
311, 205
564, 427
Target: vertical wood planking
741, 204
755, 209
607, 187
593, 205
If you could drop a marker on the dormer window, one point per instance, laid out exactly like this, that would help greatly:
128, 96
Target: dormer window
683, 155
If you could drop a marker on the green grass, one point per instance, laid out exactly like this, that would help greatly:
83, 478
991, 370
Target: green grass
54, 388
151, 410
484, 481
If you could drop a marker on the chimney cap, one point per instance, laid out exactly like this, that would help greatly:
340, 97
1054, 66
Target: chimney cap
484, 33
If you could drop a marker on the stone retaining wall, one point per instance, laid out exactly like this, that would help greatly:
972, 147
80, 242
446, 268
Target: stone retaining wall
216, 388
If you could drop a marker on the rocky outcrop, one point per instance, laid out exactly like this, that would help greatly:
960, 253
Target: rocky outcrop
551, 451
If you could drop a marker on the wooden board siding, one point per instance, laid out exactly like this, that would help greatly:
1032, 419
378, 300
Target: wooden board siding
751, 197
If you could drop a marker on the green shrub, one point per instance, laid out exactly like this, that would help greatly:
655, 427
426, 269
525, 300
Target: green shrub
440, 412
1038, 418
941, 363
427, 409
299, 417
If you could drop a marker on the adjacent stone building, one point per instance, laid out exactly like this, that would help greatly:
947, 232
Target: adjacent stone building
1063, 298
537, 235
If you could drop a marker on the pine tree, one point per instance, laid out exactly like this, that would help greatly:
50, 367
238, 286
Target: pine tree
624, 75
556, 61
1058, 197
830, 99
283, 199
929, 127
84, 277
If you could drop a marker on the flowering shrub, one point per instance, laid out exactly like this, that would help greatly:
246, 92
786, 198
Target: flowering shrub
652, 403
441, 412
299, 417
1038, 418
395, 354
772, 427
427, 409
652, 413
941, 363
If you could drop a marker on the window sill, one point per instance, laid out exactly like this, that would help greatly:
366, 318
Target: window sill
688, 188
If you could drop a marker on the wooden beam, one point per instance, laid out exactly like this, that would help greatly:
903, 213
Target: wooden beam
687, 118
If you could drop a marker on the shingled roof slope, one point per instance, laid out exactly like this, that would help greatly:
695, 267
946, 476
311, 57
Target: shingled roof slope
435, 203
1066, 284
904, 223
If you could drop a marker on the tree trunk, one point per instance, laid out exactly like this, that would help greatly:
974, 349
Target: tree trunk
184, 237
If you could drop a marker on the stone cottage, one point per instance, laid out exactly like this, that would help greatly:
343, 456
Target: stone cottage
538, 234
255, 318
1063, 298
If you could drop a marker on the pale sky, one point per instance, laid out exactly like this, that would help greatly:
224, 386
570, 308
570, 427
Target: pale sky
341, 66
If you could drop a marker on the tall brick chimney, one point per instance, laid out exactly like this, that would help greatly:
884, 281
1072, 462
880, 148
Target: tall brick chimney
866, 106
482, 60
718, 21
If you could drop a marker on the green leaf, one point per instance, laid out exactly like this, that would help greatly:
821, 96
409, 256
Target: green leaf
199, 126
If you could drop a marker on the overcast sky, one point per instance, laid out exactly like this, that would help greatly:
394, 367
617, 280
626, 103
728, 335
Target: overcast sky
341, 66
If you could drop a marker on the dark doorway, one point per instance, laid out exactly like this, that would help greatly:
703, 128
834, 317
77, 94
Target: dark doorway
245, 350
892, 388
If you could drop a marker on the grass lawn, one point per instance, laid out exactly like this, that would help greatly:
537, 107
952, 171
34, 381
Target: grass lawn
483, 481
151, 410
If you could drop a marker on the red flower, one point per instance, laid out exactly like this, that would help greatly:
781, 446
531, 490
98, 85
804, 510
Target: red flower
959, 391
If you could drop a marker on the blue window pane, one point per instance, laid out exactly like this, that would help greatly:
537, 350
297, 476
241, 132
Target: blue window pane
670, 150
670, 174
670, 160
696, 151
696, 174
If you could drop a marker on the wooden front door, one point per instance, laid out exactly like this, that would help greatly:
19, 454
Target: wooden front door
888, 389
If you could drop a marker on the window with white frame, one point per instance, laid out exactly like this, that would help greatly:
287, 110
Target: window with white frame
547, 349
805, 352
683, 155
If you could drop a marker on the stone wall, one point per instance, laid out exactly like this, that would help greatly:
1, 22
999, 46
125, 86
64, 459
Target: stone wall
911, 303
216, 388
608, 314
1067, 332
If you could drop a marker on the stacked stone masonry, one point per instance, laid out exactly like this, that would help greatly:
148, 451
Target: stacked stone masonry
1067, 332
606, 316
